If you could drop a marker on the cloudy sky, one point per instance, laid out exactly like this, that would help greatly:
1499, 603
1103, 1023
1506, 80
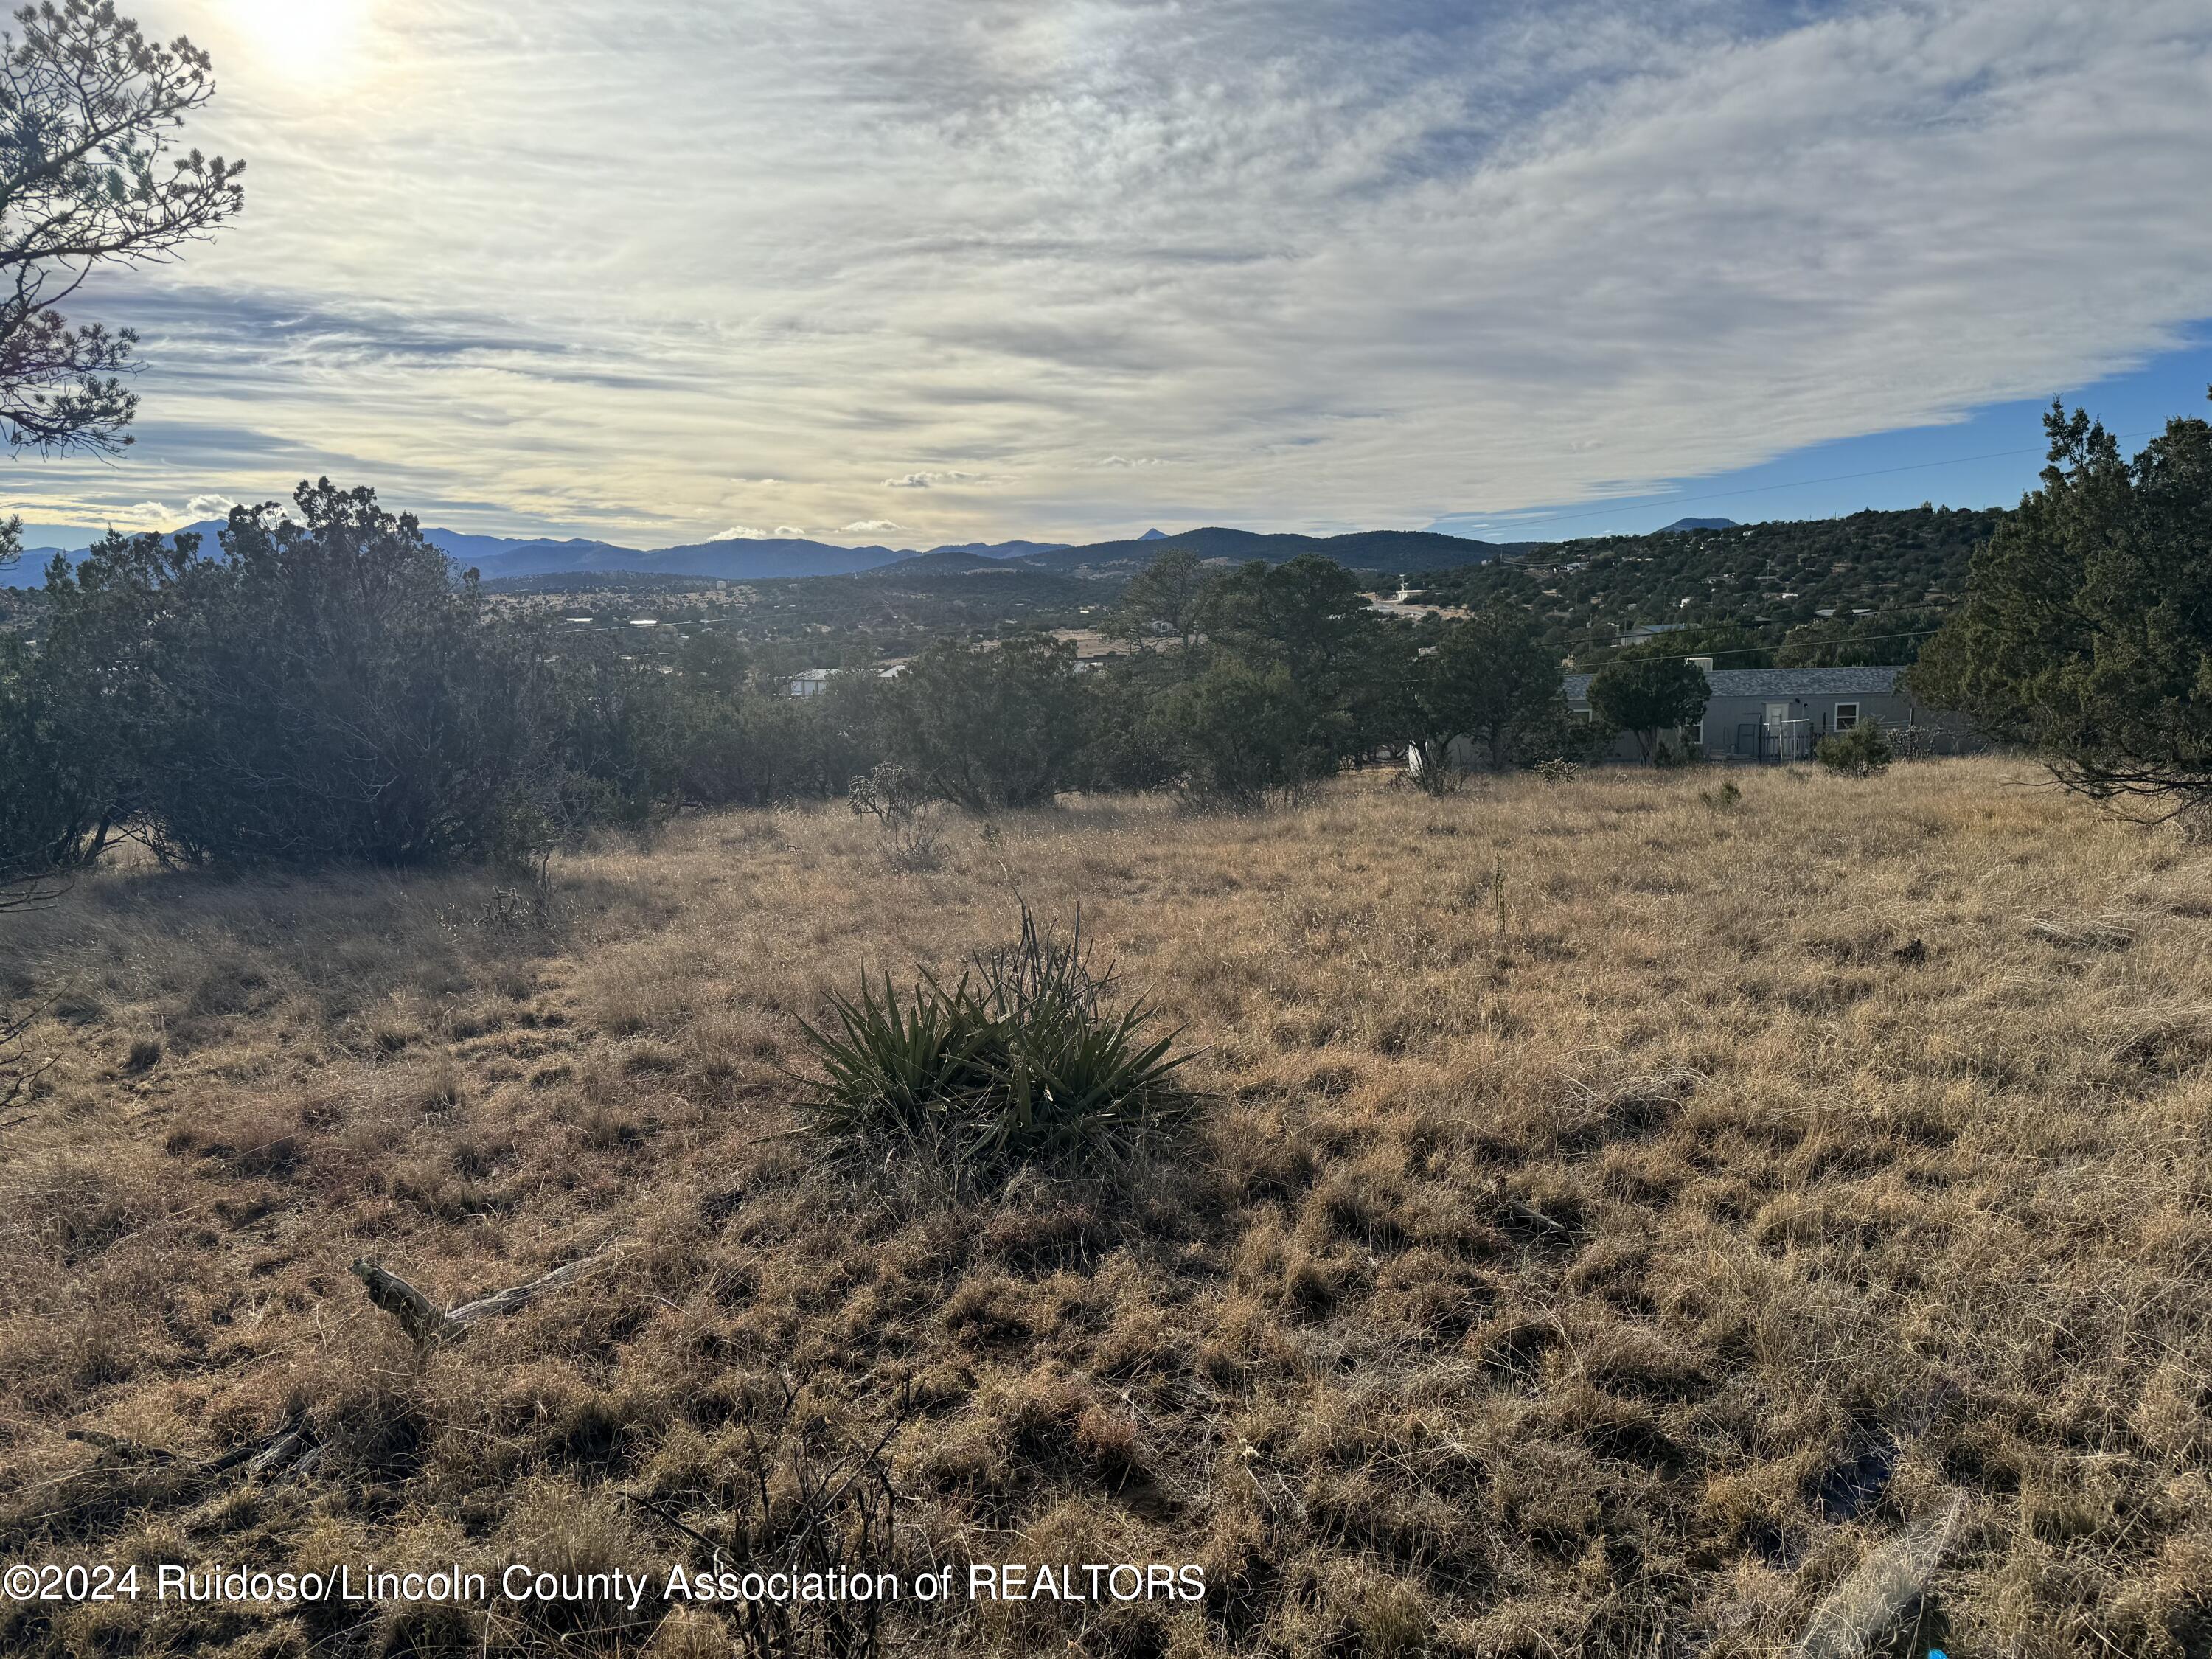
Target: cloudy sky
953, 268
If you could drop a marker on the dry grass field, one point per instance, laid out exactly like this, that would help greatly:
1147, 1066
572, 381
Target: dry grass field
1609, 1286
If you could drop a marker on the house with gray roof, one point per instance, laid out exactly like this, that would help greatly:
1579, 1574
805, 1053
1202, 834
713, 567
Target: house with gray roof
1776, 714
1780, 714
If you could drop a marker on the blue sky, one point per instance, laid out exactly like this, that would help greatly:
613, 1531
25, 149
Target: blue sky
970, 269
1989, 459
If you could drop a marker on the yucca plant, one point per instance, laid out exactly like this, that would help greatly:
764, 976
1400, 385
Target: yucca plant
894, 1067
1018, 1060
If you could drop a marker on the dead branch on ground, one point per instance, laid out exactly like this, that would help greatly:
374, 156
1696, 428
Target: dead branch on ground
426, 1322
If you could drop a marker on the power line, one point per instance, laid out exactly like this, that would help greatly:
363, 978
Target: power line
1849, 638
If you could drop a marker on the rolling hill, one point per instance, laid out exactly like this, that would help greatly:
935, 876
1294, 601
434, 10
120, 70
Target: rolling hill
501, 557
755, 559
731, 561
1889, 576
1386, 550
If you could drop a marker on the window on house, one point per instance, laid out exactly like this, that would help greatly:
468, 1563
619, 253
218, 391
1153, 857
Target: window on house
1847, 716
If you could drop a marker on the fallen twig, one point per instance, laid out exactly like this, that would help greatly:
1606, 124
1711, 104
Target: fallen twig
424, 1321
2089, 933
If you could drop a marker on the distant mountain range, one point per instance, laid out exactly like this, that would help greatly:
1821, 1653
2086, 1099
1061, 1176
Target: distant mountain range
723, 561
741, 560
500, 558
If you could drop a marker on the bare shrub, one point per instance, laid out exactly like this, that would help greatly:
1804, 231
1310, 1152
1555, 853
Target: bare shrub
789, 1491
905, 815
19, 1067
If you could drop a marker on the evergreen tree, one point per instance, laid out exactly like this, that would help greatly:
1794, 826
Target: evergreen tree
1491, 679
87, 106
994, 728
1242, 734
1309, 616
1647, 695
2087, 628
1165, 597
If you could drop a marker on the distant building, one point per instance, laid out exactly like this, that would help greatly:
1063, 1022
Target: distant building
1412, 603
808, 682
1644, 633
1773, 715
1776, 714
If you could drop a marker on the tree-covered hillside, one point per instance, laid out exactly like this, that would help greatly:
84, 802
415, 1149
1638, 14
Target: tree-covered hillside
1386, 550
1756, 593
827, 621
1822, 590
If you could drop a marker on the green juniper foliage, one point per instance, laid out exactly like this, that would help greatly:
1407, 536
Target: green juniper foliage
323, 684
990, 729
1165, 598
322, 690
1241, 734
1492, 680
1861, 751
2087, 632
1645, 696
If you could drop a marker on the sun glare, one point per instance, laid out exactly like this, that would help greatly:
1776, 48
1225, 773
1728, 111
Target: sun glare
299, 37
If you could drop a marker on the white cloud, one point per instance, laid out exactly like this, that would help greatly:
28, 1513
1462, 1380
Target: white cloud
1343, 263
871, 527
928, 480
746, 532
207, 506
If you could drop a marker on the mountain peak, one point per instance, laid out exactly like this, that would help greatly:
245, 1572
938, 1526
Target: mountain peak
1153, 536
1699, 524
